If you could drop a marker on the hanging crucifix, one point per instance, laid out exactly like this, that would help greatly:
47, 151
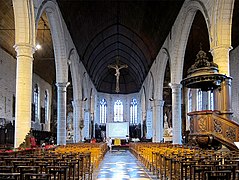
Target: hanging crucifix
117, 66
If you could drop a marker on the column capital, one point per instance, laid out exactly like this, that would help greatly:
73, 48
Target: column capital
175, 86
221, 58
24, 49
62, 84
220, 47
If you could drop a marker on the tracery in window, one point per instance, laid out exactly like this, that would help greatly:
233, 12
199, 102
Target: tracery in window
46, 105
103, 106
118, 111
133, 112
36, 102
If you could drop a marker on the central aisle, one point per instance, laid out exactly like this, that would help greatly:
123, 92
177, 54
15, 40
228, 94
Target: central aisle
121, 165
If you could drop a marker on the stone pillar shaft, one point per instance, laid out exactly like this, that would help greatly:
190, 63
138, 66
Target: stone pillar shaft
77, 105
149, 123
176, 113
23, 92
86, 130
153, 121
158, 120
221, 58
143, 122
61, 112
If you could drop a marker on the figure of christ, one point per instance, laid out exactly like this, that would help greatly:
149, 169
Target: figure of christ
117, 68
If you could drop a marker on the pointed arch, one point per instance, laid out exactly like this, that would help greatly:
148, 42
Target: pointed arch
162, 59
151, 86
180, 36
143, 100
222, 23
76, 76
143, 112
24, 22
84, 86
58, 37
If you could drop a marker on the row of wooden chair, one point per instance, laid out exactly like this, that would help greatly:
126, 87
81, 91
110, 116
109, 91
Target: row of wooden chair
178, 162
64, 162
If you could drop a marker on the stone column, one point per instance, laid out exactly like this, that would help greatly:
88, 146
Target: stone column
61, 112
226, 101
149, 123
23, 92
154, 125
221, 58
223, 94
158, 120
144, 123
86, 123
176, 113
92, 120
77, 106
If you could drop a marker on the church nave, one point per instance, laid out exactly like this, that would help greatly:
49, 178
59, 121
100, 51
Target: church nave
121, 165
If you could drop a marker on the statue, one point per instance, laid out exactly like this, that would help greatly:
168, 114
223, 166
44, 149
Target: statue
69, 125
168, 132
117, 66
165, 121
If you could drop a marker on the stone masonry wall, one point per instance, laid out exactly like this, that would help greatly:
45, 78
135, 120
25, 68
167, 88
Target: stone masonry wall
8, 88
234, 72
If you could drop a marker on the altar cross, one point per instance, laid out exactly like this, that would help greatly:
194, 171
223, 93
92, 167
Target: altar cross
117, 66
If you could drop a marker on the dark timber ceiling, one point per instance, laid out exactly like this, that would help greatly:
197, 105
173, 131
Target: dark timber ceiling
133, 31
103, 30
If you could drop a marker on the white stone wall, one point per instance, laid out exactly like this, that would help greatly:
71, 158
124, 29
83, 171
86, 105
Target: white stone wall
234, 66
8, 87
7, 84
43, 86
126, 100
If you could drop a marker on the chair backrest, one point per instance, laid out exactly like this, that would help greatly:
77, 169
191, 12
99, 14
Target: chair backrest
6, 169
58, 172
11, 176
30, 176
217, 175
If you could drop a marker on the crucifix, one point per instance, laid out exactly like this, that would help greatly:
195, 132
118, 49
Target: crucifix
117, 66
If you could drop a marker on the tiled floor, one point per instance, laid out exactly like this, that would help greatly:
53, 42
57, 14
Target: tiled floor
121, 165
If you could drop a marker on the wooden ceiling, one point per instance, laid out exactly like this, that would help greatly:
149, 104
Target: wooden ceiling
134, 31
104, 30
